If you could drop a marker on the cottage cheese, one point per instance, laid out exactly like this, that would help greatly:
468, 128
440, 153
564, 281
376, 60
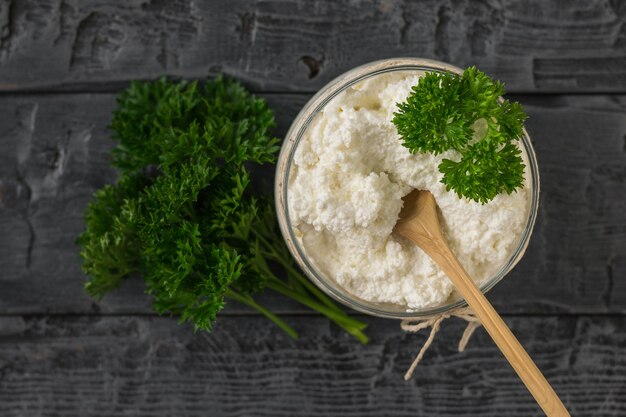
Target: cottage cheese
345, 192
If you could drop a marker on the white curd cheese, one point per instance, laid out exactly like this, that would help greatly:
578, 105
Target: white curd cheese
345, 192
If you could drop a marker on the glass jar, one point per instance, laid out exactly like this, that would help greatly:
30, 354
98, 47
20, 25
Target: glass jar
285, 162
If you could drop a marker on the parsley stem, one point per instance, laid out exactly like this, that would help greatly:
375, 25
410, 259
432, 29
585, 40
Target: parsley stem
247, 300
295, 284
328, 308
302, 281
344, 321
306, 283
351, 325
273, 254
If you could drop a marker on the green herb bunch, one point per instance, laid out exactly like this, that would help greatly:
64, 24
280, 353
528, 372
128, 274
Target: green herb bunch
466, 113
182, 213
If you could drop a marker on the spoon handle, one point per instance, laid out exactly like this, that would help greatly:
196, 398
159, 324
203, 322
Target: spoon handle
499, 331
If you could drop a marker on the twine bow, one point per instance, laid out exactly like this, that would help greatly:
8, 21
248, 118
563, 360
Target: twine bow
434, 322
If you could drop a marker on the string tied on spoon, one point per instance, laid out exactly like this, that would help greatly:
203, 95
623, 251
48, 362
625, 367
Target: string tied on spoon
434, 322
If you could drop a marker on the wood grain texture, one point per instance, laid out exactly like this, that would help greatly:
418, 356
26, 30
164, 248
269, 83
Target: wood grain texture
79, 366
577, 253
70, 356
55, 153
273, 45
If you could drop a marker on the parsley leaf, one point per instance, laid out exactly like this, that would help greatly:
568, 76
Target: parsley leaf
446, 112
183, 215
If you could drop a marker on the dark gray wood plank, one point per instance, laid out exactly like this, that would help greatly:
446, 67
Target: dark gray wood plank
152, 367
546, 46
576, 260
55, 153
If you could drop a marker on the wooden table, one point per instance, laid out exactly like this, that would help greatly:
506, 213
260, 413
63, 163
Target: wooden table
62, 354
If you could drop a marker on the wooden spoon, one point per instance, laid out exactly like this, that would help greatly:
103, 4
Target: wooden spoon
419, 223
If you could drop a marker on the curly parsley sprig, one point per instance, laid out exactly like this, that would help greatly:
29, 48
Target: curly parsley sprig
466, 113
183, 214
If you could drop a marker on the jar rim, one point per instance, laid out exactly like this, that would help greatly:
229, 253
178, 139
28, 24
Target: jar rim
283, 170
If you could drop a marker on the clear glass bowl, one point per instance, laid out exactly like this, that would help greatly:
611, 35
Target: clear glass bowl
285, 161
